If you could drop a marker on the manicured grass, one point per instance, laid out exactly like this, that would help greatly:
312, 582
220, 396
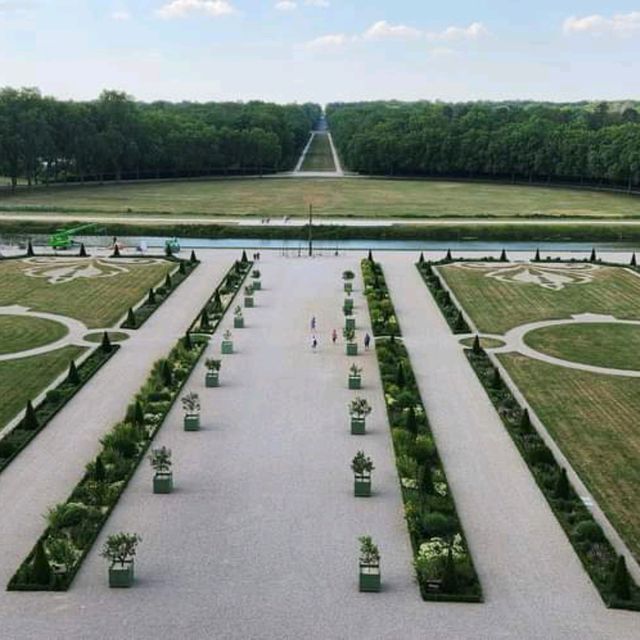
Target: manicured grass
319, 156
22, 380
114, 336
98, 302
496, 306
485, 343
19, 333
603, 345
376, 198
594, 420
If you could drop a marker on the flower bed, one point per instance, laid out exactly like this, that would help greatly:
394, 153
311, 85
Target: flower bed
442, 561
594, 550
16, 440
74, 525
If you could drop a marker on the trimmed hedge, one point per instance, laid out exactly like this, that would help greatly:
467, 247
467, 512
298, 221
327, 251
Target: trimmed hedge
75, 524
16, 440
434, 526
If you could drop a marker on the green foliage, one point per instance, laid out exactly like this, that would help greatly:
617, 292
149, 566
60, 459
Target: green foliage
99, 473
620, 581
120, 548
193, 258
369, 552
73, 377
167, 374
168, 282
151, 298
131, 319
182, 269
476, 345
400, 379
160, 460
562, 489
244, 257
449, 575
588, 531
410, 422
187, 342
41, 570
30, 420
30, 252
106, 343
361, 464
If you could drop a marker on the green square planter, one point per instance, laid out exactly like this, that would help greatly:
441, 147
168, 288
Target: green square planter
352, 348
348, 303
227, 347
248, 301
362, 486
355, 382
238, 323
358, 426
350, 323
212, 379
348, 287
369, 578
257, 285
121, 577
163, 483
192, 422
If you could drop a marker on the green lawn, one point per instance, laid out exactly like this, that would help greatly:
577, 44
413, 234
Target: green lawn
22, 380
377, 198
594, 420
98, 302
496, 306
18, 333
319, 156
602, 345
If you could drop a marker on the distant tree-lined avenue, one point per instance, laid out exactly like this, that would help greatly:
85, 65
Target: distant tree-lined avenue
43, 139
581, 142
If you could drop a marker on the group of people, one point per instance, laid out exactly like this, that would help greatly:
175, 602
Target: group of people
256, 256
334, 336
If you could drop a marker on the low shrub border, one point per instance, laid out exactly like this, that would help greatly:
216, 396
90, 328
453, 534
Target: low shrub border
73, 526
17, 439
139, 315
596, 553
443, 564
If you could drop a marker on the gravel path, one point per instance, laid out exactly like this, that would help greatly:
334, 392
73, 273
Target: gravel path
259, 538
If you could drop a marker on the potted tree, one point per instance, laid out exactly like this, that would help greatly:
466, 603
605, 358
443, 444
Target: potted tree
352, 346
248, 296
355, 376
362, 466
369, 565
350, 322
160, 460
359, 409
227, 343
120, 549
255, 276
191, 406
348, 277
238, 318
213, 372
348, 305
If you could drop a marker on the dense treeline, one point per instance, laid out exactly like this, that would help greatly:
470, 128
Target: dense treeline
43, 139
582, 142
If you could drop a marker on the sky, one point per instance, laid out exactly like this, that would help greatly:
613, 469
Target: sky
323, 50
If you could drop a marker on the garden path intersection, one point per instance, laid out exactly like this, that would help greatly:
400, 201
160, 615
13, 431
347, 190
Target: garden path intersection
259, 539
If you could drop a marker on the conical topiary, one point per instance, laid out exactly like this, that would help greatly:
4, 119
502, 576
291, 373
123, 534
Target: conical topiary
244, 257
620, 580
425, 479
370, 256
496, 382
99, 472
525, 422
633, 260
116, 251
151, 299
193, 259
410, 422
73, 377
400, 378
168, 250
449, 256
168, 282
187, 342
421, 258
83, 251
131, 319
138, 414
537, 256
562, 486
217, 302
204, 320
30, 252
41, 569
167, 374
477, 348
460, 324
106, 343
503, 256
593, 257
182, 269
30, 420
449, 575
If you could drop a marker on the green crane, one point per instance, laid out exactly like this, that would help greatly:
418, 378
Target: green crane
63, 238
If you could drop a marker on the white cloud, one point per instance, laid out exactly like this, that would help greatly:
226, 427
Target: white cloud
16, 6
382, 29
318, 3
180, 8
286, 5
329, 42
620, 24
121, 16
474, 31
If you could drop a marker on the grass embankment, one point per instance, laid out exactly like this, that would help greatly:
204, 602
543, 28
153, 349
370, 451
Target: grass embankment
319, 156
594, 420
602, 345
356, 197
496, 306
19, 333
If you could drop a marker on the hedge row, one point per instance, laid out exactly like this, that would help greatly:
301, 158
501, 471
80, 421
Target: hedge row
73, 526
442, 561
16, 440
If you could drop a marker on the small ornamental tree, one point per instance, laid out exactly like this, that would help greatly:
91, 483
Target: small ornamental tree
131, 318
361, 464
41, 570
370, 256
227, 335
449, 257
30, 252
255, 274
421, 258
400, 377
30, 420
537, 256
369, 552
244, 257
138, 414
237, 312
476, 349
187, 343
496, 381
193, 258
562, 486
633, 260
168, 283
160, 460
191, 403
168, 250
116, 251
121, 548
212, 365
151, 298
359, 408
355, 370
217, 302
166, 373
410, 421
99, 472
460, 324
525, 422
205, 323
593, 257
73, 377
620, 580
425, 479
349, 334
503, 256
449, 575
182, 268
106, 343
348, 275
83, 251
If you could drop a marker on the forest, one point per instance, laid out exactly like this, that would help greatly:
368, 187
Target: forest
45, 140
585, 143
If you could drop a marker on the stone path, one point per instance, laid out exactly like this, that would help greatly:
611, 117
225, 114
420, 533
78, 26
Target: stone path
259, 539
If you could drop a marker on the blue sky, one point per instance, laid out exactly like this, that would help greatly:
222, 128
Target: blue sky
323, 50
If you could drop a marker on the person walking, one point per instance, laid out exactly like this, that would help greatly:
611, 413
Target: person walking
334, 336
367, 341
314, 343
313, 323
